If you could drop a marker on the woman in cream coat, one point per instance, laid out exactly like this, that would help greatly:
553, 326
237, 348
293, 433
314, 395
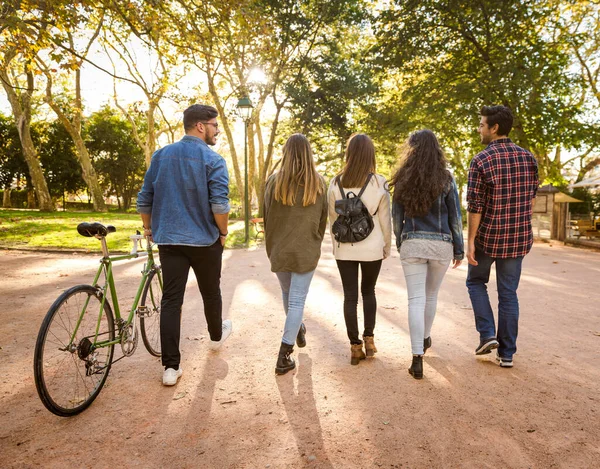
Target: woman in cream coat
367, 254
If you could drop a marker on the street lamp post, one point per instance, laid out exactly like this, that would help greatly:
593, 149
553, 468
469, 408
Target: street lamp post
244, 111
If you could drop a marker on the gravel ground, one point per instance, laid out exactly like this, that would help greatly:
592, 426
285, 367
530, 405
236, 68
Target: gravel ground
229, 410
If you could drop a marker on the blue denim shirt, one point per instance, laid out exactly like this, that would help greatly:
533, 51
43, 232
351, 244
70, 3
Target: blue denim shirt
443, 222
186, 183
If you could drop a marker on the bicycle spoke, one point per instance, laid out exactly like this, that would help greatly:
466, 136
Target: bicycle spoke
68, 380
59, 341
150, 320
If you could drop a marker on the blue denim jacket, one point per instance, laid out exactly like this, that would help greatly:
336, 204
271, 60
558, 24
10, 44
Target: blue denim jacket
443, 222
186, 183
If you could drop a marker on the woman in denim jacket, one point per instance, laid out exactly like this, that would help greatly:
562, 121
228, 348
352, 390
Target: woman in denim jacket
428, 228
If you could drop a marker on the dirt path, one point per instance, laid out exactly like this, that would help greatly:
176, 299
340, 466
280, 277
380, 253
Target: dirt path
234, 413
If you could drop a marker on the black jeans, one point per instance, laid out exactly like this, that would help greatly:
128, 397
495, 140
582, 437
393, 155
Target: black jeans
349, 273
176, 262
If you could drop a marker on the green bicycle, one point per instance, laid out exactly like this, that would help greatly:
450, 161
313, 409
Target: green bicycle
75, 344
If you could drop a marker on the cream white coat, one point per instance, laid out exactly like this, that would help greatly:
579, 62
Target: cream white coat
377, 200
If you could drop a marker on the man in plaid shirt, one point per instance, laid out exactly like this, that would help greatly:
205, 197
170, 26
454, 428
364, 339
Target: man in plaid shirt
503, 181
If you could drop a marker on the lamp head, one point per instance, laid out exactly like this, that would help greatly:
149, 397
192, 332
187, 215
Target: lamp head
244, 108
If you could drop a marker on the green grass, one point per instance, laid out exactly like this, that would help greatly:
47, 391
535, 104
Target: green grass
31, 229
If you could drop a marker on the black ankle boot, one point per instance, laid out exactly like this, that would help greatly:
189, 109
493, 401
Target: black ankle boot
426, 344
301, 339
416, 369
285, 363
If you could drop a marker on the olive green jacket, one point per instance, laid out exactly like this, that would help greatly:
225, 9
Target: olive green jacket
293, 234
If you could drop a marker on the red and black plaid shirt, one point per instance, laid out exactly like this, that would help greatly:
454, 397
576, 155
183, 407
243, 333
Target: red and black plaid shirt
503, 181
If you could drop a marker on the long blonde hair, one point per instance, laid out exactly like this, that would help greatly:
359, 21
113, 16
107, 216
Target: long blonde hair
360, 161
297, 169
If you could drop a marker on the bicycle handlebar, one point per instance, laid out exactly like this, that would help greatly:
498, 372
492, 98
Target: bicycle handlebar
136, 239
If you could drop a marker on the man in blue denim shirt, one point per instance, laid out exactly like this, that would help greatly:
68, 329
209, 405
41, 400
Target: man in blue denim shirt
184, 205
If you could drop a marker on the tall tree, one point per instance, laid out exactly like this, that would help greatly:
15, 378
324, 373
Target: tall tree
227, 41
12, 164
330, 101
69, 109
59, 159
116, 156
452, 56
155, 74
23, 32
579, 24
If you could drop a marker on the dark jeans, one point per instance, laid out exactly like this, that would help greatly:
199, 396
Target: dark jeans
508, 274
349, 273
176, 261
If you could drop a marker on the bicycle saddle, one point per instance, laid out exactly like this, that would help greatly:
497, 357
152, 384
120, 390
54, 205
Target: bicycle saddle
93, 229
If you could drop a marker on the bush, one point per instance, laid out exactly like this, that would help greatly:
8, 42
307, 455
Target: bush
18, 198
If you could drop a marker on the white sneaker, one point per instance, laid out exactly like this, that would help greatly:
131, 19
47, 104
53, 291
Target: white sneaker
503, 362
227, 330
171, 375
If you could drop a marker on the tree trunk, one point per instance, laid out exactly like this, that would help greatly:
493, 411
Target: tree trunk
6, 198
587, 168
88, 173
126, 199
117, 196
261, 153
225, 124
35, 169
151, 135
21, 107
73, 127
266, 167
31, 203
87, 170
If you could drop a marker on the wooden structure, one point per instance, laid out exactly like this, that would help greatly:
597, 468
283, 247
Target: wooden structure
551, 213
585, 228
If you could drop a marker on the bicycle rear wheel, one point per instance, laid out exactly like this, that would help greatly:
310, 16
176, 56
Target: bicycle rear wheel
150, 312
69, 374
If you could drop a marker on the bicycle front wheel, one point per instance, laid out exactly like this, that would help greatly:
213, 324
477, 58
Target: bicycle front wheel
70, 366
150, 312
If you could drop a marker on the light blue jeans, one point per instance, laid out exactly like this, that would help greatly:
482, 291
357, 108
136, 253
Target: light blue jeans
294, 288
423, 280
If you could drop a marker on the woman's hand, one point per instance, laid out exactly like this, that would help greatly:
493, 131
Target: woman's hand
456, 263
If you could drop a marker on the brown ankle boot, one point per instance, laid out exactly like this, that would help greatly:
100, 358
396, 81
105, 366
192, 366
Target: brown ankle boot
370, 345
357, 353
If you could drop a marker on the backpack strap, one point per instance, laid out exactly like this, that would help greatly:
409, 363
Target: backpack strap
365, 186
361, 191
341, 189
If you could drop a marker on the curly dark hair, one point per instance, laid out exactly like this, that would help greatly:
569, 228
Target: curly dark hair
422, 175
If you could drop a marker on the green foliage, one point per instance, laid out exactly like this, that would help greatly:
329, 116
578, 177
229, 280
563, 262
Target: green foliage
18, 198
60, 164
325, 101
116, 156
12, 164
332, 68
452, 56
590, 204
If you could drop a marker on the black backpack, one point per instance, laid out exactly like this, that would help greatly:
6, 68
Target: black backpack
354, 222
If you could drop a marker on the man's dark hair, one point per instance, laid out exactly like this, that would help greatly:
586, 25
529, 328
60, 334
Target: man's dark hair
500, 115
198, 113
